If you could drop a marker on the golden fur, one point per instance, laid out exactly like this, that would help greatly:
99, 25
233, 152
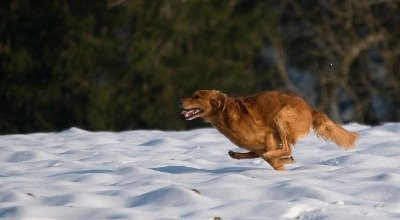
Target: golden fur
267, 124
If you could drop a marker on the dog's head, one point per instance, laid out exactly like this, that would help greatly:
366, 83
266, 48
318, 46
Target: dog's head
203, 103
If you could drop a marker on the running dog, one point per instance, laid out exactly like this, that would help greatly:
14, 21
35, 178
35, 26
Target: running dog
266, 124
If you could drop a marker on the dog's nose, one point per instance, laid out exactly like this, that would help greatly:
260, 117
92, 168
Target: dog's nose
180, 102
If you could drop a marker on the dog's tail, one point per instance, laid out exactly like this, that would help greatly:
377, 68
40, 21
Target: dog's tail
327, 129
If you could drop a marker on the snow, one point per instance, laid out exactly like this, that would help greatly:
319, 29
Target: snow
149, 174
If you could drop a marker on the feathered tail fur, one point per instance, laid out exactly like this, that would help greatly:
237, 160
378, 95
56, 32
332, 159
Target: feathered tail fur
327, 129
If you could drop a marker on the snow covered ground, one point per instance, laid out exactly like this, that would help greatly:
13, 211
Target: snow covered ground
77, 174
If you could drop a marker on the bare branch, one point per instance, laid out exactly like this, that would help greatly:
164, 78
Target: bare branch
113, 4
355, 49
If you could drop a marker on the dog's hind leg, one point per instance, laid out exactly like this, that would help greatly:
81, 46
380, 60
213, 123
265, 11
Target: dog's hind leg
278, 163
239, 156
292, 122
272, 141
282, 126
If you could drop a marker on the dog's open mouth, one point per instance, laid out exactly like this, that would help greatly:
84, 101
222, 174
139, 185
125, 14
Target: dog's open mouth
190, 114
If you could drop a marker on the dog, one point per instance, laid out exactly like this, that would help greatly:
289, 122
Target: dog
266, 124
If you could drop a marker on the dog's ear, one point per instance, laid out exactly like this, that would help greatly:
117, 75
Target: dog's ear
219, 101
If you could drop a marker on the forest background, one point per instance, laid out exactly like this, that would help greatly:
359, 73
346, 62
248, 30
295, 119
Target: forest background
120, 64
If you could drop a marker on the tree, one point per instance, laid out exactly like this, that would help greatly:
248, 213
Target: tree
116, 65
345, 45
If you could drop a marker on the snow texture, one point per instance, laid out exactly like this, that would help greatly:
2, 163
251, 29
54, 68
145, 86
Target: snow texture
148, 174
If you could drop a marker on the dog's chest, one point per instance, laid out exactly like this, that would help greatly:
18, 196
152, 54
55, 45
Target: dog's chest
244, 135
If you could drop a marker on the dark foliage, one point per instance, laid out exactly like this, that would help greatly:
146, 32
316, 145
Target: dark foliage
116, 65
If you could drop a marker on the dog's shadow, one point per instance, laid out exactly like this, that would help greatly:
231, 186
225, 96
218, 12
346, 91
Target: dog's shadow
185, 169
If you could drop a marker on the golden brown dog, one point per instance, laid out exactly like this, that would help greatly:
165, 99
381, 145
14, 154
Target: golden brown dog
266, 124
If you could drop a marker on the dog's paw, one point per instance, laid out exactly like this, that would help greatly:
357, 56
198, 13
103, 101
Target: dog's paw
267, 155
232, 154
287, 159
276, 154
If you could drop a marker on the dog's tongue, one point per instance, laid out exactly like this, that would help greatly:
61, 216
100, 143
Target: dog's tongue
188, 113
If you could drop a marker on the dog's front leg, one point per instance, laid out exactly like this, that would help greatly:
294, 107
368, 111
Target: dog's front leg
239, 156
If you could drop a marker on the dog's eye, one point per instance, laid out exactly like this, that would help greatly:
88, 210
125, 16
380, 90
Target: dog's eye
196, 96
